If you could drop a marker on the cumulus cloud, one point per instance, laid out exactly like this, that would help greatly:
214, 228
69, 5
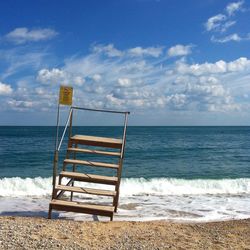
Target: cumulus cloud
5, 89
179, 50
137, 83
23, 35
50, 76
147, 83
56, 76
219, 67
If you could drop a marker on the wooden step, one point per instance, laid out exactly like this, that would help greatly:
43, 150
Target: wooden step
90, 151
109, 180
91, 163
72, 206
86, 190
97, 141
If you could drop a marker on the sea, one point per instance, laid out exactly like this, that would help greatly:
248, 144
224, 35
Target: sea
187, 174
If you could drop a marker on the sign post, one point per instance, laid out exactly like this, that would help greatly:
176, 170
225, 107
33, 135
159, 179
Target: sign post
65, 98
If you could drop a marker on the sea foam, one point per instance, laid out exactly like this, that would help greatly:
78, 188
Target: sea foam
38, 186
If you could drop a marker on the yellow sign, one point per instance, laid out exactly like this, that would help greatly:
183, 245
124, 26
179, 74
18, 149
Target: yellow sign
66, 94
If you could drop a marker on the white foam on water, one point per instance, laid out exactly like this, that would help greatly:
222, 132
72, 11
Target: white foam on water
172, 186
16, 186
141, 199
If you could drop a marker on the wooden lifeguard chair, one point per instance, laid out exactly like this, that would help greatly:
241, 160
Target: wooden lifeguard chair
71, 169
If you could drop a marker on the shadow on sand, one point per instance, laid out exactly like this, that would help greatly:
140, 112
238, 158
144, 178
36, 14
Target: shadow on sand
55, 215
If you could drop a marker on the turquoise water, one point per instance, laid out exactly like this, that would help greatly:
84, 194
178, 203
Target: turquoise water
176, 152
177, 173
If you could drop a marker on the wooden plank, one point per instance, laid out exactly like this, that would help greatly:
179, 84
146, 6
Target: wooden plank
90, 151
72, 206
86, 190
91, 163
97, 141
109, 180
62, 192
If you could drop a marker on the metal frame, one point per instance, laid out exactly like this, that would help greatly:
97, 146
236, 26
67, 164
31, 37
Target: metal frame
69, 121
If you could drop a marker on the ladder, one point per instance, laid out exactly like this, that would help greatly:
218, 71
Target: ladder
87, 145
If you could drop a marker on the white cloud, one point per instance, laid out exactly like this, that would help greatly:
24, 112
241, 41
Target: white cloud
108, 50
177, 101
96, 77
114, 101
53, 76
233, 37
124, 82
5, 89
218, 67
234, 7
214, 22
179, 50
222, 22
78, 80
20, 105
150, 51
139, 83
57, 76
239, 65
23, 35
201, 69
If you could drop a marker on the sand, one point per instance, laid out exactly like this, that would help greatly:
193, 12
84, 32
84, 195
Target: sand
41, 233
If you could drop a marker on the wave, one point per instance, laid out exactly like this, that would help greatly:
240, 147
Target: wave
174, 186
38, 186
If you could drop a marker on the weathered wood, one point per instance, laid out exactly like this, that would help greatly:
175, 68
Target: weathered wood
78, 207
108, 180
97, 141
62, 192
90, 151
86, 190
91, 163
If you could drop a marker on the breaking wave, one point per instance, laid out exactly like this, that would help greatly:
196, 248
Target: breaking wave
16, 186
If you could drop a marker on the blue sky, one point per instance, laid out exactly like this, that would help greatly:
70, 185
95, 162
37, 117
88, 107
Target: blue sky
171, 62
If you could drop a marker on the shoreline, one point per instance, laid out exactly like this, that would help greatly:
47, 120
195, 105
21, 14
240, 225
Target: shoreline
41, 233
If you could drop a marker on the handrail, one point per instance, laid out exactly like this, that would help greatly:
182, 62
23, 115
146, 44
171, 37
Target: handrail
65, 128
58, 146
124, 135
102, 110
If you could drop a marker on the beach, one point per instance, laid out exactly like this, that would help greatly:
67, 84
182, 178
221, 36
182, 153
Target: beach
181, 188
125, 125
41, 233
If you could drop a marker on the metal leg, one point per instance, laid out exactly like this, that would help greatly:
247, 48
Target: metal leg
115, 199
49, 213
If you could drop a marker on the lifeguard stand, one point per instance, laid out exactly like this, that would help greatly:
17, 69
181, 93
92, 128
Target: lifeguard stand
71, 171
